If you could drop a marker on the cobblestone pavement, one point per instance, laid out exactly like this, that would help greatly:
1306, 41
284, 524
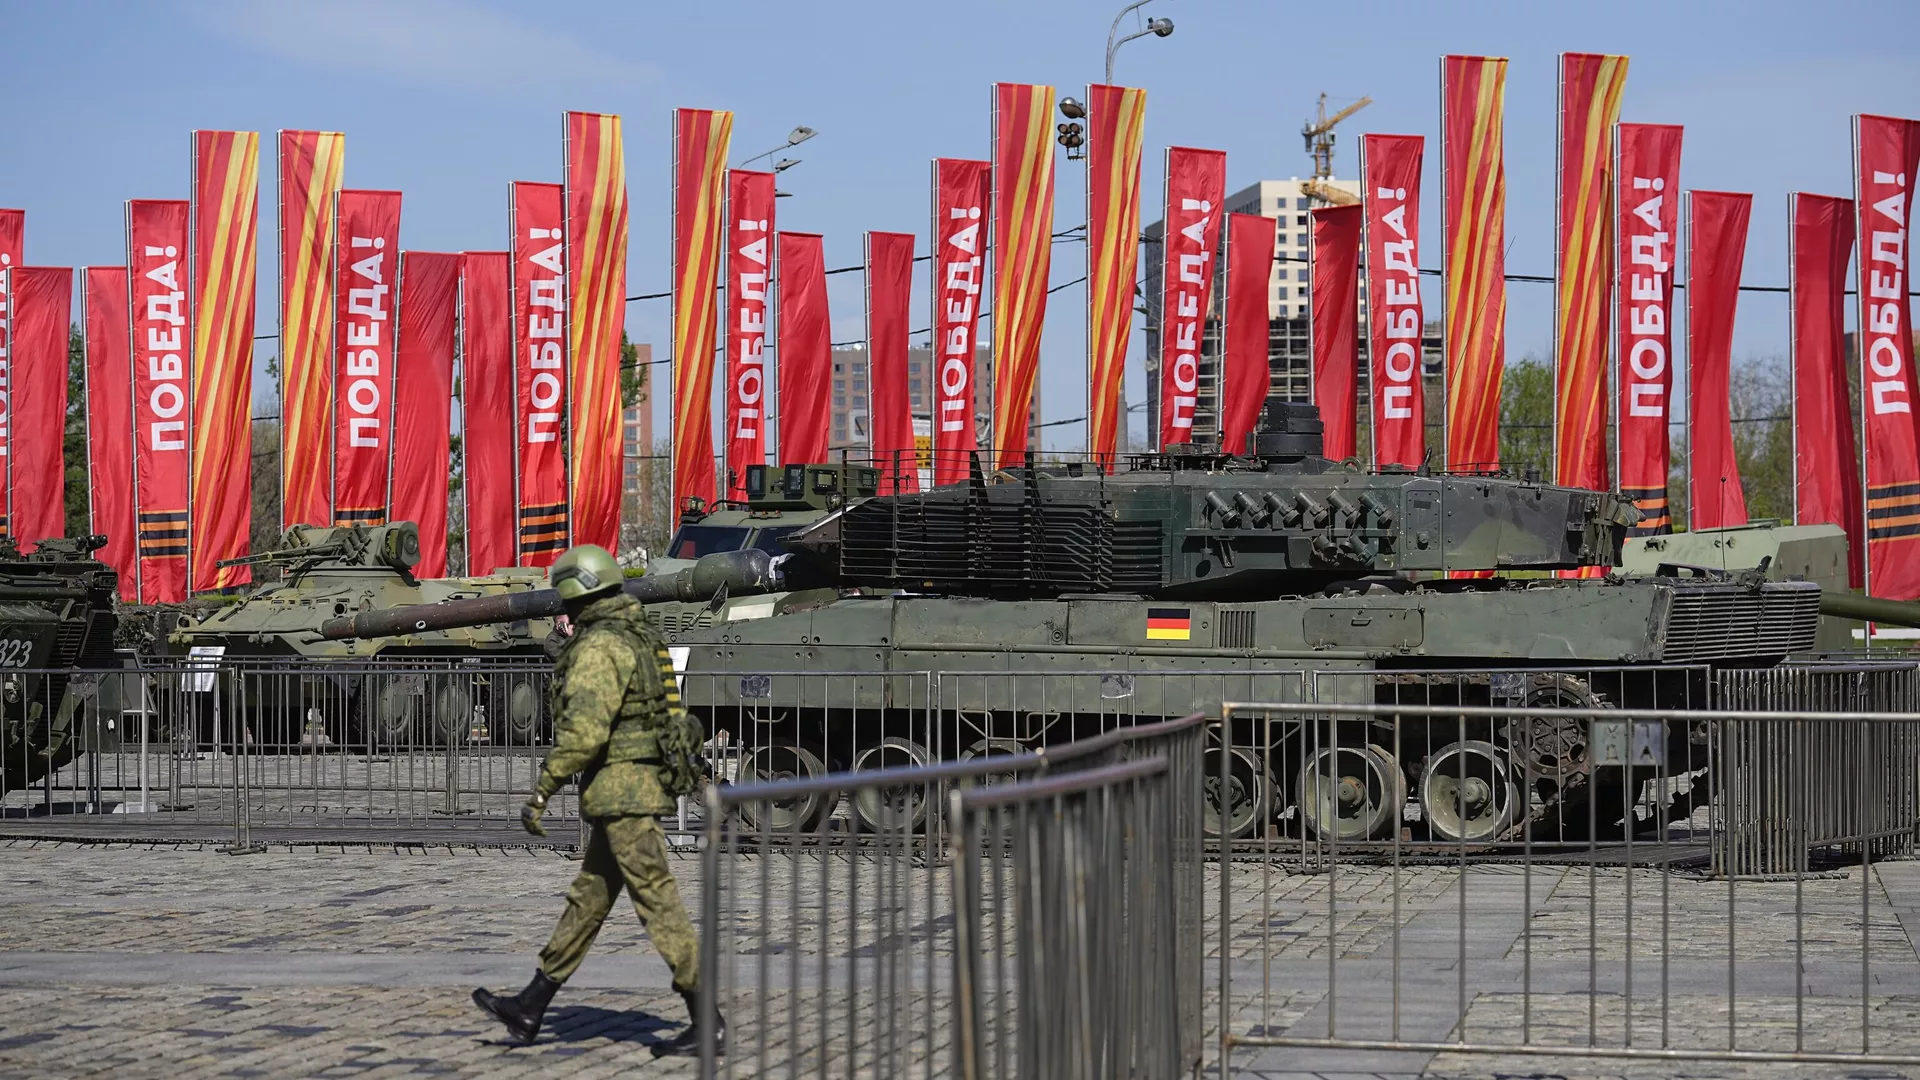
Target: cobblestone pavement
181, 961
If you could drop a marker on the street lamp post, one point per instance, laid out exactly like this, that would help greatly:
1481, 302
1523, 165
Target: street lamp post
794, 138
1158, 28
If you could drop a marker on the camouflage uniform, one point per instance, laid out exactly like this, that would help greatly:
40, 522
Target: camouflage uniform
612, 689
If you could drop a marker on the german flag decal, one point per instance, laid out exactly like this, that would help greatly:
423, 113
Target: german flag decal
1169, 624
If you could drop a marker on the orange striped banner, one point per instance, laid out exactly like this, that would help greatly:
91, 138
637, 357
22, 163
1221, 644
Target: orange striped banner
596, 183
226, 196
1590, 90
312, 167
700, 138
1116, 117
1022, 253
1474, 94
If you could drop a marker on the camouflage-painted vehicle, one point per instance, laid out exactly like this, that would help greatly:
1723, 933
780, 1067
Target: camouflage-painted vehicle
1055, 603
56, 614
366, 695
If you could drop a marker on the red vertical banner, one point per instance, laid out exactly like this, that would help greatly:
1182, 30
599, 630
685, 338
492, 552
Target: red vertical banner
750, 231
596, 183
487, 410
1116, 122
1196, 189
1590, 90
1887, 155
889, 399
225, 218
13, 238
1646, 221
700, 138
1474, 174
312, 164
1246, 378
961, 203
36, 397
109, 390
162, 417
366, 288
1335, 325
423, 380
1716, 239
1390, 192
1022, 253
806, 348
1826, 485
540, 373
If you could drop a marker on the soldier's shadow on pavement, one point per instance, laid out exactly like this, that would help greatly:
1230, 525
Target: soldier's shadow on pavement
583, 1023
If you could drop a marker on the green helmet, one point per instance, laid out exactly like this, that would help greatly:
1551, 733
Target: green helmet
586, 570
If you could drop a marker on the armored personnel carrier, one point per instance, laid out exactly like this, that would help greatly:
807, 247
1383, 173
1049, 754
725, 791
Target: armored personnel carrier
1052, 603
366, 696
56, 615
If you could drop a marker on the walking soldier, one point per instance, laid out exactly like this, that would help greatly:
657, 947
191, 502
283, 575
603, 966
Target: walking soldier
619, 725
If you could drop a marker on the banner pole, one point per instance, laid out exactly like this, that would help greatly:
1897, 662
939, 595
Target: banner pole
673, 323
1861, 306
280, 288
1446, 278
1365, 330
1616, 414
1553, 342
1156, 377
994, 256
392, 379
513, 349
1793, 354
193, 327
1686, 429
1086, 203
139, 564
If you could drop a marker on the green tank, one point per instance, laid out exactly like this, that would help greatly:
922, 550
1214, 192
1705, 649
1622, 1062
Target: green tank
327, 573
1055, 602
56, 615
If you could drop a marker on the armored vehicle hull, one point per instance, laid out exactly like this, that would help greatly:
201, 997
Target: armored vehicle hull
1022, 674
56, 615
365, 693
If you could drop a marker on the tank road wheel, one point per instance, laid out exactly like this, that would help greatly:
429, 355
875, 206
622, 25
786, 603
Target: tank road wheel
1351, 793
1467, 792
883, 809
390, 711
994, 748
452, 712
522, 712
782, 762
1244, 802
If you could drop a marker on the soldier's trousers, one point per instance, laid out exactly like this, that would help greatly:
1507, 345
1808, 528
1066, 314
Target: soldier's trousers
630, 851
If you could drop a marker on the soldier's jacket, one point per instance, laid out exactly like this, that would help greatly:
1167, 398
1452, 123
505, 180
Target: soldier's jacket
613, 688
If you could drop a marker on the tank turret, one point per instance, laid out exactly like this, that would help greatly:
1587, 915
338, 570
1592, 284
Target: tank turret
1193, 524
56, 614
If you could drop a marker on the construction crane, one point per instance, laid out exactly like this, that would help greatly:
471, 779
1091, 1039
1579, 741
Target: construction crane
1318, 134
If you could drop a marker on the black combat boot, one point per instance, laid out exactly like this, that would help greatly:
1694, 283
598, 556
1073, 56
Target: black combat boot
687, 1043
521, 1012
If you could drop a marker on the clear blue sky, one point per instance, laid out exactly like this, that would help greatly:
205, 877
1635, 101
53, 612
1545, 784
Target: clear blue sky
448, 100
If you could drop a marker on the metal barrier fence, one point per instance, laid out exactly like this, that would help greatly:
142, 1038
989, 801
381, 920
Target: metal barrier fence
828, 940
1601, 947
1086, 884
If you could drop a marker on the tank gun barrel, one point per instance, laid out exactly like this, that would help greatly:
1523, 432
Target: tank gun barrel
450, 615
1870, 608
740, 573
736, 572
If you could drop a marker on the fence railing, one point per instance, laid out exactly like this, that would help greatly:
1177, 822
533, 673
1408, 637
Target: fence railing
1604, 947
829, 940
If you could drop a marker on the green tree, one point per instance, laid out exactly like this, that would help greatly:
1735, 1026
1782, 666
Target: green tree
1526, 417
73, 444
